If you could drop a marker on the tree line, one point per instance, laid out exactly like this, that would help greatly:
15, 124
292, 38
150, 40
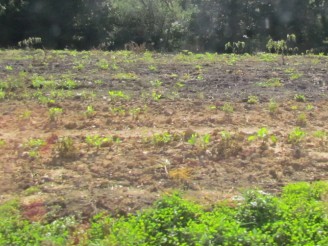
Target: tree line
164, 25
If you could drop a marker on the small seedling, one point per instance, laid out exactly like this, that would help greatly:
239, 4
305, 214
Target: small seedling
98, 141
252, 100
300, 98
273, 107
90, 112
161, 139
156, 96
296, 136
2, 94
2, 143
34, 145
66, 148
152, 68
301, 120
54, 114
103, 64
227, 108
322, 136
156, 83
115, 95
9, 68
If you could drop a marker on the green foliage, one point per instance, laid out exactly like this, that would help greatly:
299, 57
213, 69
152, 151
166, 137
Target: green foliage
273, 82
297, 217
66, 147
54, 113
2, 94
118, 95
252, 99
98, 141
300, 98
296, 136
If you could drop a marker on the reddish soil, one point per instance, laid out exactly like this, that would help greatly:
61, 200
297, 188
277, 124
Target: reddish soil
129, 175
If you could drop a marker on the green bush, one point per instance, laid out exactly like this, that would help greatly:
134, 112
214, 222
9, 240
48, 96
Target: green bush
297, 217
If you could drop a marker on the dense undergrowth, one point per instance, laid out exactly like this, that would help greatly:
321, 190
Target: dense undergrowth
296, 217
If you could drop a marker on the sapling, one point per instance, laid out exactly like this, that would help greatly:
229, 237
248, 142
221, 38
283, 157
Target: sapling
54, 113
282, 46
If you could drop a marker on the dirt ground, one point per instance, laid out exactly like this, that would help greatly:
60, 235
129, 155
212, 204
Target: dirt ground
172, 98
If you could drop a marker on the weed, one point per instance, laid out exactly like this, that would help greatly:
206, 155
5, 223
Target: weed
161, 139
156, 96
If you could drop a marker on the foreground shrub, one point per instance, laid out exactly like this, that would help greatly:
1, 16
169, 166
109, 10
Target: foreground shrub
297, 217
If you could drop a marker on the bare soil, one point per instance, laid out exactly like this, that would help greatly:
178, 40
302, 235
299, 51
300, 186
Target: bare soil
126, 176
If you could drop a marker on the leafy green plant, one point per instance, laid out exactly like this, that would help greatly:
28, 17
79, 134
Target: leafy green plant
273, 82
252, 99
322, 136
264, 136
115, 95
54, 114
66, 147
300, 98
90, 112
235, 47
161, 139
156, 96
98, 141
33, 146
125, 76
227, 108
2, 143
201, 141
273, 107
152, 68
156, 83
301, 120
296, 136
9, 68
283, 46
2, 94
103, 64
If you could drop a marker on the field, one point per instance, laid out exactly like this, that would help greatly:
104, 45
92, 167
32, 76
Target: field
87, 132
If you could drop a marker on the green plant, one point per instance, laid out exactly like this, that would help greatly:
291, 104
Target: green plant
90, 112
152, 68
114, 95
264, 136
2, 143
273, 82
322, 136
235, 47
54, 113
252, 99
33, 146
156, 83
200, 140
9, 68
273, 107
98, 141
283, 46
301, 120
68, 84
2, 94
66, 147
296, 136
156, 96
125, 76
300, 98
161, 139
227, 108
103, 64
